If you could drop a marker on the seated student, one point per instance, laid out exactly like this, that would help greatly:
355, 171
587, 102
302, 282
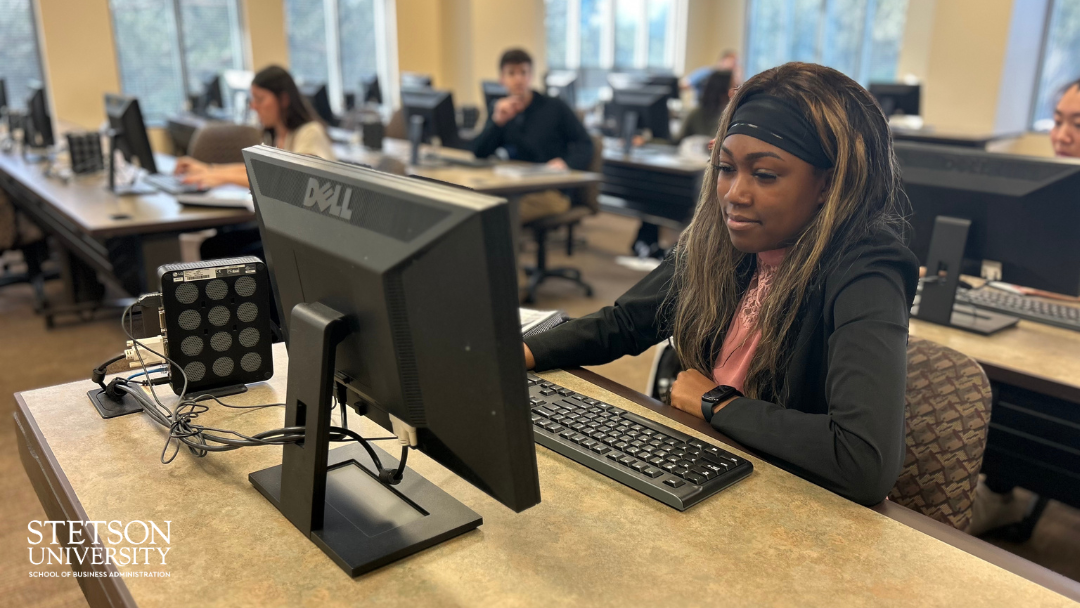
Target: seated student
788, 294
703, 119
291, 123
728, 61
535, 128
1065, 136
287, 118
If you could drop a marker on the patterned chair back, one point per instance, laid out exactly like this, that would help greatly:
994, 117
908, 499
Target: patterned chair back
948, 415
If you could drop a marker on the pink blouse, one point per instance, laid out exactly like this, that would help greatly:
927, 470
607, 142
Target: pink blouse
742, 337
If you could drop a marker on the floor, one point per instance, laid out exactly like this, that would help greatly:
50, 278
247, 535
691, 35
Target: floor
32, 357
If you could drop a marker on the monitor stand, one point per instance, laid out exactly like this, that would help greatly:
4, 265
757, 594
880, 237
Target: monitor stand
133, 189
937, 302
334, 497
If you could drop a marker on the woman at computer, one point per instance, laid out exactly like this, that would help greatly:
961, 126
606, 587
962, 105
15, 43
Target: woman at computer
788, 295
287, 119
702, 120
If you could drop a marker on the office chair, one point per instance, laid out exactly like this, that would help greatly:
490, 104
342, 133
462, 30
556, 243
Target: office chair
946, 421
222, 142
18, 233
948, 416
584, 203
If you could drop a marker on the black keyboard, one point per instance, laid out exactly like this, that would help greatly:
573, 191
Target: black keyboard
460, 161
670, 466
170, 184
1029, 309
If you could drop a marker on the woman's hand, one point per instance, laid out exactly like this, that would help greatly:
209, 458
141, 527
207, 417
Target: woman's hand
530, 361
688, 389
185, 165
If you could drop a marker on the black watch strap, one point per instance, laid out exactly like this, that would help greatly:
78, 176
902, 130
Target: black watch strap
717, 395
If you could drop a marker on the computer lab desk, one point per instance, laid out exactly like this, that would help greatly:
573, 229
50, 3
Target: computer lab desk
90, 223
771, 539
652, 184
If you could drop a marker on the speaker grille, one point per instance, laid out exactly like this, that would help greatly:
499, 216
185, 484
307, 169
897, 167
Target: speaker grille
191, 346
223, 366
221, 341
218, 316
249, 336
186, 293
216, 289
189, 319
195, 371
245, 286
251, 362
247, 312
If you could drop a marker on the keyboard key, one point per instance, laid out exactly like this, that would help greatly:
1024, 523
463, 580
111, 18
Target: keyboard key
668, 466
537, 418
639, 466
675, 483
566, 434
556, 428
696, 443
684, 463
578, 438
694, 478
600, 448
716, 459
627, 460
653, 472
704, 472
622, 445
680, 471
655, 461
565, 392
589, 443
614, 455
547, 392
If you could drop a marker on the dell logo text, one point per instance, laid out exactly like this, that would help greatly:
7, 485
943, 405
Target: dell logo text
327, 197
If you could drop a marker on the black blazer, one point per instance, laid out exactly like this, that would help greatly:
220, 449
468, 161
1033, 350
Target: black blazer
841, 422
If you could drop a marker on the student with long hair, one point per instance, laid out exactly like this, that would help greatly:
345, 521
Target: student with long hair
289, 121
703, 119
787, 297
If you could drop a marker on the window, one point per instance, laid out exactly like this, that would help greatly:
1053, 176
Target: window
1059, 65
861, 38
20, 61
169, 49
595, 37
341, 42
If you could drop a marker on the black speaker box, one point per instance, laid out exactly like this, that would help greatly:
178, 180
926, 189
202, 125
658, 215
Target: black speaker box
216, 322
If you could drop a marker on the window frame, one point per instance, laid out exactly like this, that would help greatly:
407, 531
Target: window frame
35, 27
675, 46
386, 58
1044, 45
242, 49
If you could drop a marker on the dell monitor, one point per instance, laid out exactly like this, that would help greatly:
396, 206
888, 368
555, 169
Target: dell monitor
399, 296
641, 108
435, 109
39, 127
493, 91
319, 100
414, 81
127, 133
895, 98
370, 92
562, 84
1023, 211
668, 81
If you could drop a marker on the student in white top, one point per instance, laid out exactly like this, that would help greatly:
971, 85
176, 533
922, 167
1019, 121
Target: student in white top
285, 115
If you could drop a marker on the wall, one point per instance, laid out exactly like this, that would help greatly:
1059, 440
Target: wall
80, 61
914, 57
264, 22
712, 27
420, 37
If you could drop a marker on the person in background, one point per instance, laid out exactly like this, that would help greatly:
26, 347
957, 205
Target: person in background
1065, 136
290, 123
728, 61
703, 119
288, 120
535, 128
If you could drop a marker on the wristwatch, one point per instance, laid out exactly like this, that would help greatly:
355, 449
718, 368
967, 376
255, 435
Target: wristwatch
717, 395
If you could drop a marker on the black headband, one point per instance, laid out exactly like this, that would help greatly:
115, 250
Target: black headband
779, 122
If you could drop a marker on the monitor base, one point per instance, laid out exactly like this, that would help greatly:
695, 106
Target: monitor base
367, 525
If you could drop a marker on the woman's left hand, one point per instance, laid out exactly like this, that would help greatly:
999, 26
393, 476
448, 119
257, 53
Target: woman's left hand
688, 389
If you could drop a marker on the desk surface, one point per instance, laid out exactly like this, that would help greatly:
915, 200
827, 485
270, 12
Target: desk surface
88, 207
656, 159
481, 179
774, 538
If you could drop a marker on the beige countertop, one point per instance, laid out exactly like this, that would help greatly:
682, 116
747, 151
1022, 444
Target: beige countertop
772, 539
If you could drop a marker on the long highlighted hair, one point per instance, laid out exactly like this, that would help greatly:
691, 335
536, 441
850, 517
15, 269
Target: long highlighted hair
863, 195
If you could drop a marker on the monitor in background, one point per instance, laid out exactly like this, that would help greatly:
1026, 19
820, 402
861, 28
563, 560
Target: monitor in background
236, 92
210, 98
626, 80
668, 81
127, 133
493, 91
562, 84
412, 317
1023, 210
896, 98
435, 110
414, 81
39, 132
370, 92
319, 100
640, 108
3, 96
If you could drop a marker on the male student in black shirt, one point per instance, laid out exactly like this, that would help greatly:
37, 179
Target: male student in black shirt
535, 128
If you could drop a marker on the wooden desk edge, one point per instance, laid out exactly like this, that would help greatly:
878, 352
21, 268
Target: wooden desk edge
61, 503
933, 528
